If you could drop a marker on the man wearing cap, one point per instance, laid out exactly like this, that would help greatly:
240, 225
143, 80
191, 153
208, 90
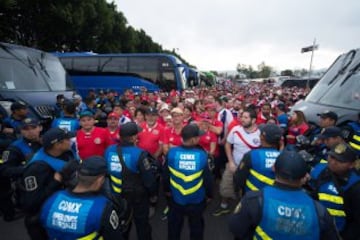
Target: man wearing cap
330, 136
91, 140
132, 176
113, 127
327, 119
119, 109
152, 136
68, 121
14, 158
336, 185
50, 169
351, 133
283, 211
255, 170
83, 212
188, 180
172, 136
10, 125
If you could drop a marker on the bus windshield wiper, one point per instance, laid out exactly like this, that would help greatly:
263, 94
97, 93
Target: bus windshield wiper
101, 68
29, 64
42, 65
345, 66
351, 72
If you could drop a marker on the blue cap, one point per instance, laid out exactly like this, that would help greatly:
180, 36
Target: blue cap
271, 132
29, 122
342, 152
55, 135
93, 166
86, 113
330, 132
129, 129
290, 165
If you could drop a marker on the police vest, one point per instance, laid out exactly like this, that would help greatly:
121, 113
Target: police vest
55, 163
355, 140
287, 215
66, 123
330, 197
124, 176
24, 148
261, 173
186, 169
66, 216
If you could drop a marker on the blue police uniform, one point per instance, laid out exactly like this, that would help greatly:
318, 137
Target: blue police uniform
70, 124
354, 142
69, 216
329, 194
188, 178
261, 173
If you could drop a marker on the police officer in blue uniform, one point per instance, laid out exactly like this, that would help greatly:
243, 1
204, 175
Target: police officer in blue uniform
351, 133
14, 158
255, 170
68, 121
50, 169
11, 124
336, 185
188, 180
83, 212
283, 211
132, 177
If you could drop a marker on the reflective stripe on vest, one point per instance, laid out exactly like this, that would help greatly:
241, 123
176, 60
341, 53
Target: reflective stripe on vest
323, 161
261, 178
91, 236
116, 184
262, 234
183, 177
186, 191
251, 186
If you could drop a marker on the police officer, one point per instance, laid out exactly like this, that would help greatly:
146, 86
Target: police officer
336, 185
132, 176
351, 133
83, 212
68, 121
283, 211
187, 178
330, 136
48, 171
255, 170
14, 158
11, 124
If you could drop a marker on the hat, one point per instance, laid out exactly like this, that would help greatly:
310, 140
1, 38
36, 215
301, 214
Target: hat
129, 129
17, 106
86, 114
77, 97
190, 131
151, 110
343, 153
328, 114
55, 135
271, 132
290, 165
93, 166
164, 107
29, 122
177, 110
330, 132
113, 115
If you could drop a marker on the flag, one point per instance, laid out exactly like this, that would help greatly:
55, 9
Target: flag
309, 48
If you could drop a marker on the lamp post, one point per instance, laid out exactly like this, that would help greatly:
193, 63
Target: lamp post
311, 48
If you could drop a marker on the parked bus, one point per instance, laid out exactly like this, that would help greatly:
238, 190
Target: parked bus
338, 90
154, 71
32, 77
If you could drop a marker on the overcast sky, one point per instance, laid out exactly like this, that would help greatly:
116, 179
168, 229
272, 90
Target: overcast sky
219, 34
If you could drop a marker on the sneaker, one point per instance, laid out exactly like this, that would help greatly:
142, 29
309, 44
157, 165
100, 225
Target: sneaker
221, 211
165, 214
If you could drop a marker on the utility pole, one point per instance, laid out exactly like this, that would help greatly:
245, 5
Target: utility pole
311, 48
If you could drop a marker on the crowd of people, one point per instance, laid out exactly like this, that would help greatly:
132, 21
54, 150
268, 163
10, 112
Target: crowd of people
100, 164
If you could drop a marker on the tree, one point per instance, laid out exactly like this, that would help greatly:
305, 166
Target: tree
264, 71
287, 72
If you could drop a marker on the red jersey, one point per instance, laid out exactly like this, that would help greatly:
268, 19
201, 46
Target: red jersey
114, 136
172, 138
150, 138
92, 143
295, 131
234, 123
207, 139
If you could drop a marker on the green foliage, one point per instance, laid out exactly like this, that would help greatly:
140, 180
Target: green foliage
72, 25
287, 72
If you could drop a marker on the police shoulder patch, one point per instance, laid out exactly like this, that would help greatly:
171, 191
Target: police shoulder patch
30, 183
114, 219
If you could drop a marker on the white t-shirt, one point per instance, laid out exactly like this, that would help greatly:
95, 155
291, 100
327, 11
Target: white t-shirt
243, 144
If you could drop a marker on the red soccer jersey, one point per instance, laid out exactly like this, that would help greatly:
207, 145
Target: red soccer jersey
172, 138
114, 136
92, 143
150, 138
207, 139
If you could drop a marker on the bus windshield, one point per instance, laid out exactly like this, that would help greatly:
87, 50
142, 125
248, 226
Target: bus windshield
23, 69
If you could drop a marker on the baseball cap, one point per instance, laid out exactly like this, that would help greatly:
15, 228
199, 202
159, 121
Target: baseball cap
177, 110
93, 166
164, 107
86, 114
29, 122
271, 132
343, 153
129, 129
290, 165
330, 132
17, 106
113, 115
328, 114
55, 135
190, 131
151, 110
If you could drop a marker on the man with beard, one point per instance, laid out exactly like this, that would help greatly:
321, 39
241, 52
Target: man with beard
240, 140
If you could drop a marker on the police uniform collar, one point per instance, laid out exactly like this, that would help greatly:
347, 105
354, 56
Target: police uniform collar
286, 187
125, 143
